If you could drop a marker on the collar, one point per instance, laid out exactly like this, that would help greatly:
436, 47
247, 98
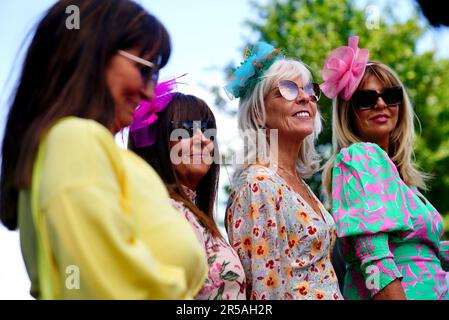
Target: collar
191, 194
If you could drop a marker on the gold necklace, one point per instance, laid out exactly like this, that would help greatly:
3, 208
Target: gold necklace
297, 178
309, 194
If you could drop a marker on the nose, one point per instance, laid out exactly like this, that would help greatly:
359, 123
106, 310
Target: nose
200, 140
380, 103
302, 96
200, 143
200, 137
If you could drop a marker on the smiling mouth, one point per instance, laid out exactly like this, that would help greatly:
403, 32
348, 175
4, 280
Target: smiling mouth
302, 114
380, 117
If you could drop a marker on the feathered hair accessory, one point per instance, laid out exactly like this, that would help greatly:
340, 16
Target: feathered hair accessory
143, 129
256, 61
344, 69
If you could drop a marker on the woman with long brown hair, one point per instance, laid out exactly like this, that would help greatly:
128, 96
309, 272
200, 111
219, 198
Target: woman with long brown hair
95, 220
180, 146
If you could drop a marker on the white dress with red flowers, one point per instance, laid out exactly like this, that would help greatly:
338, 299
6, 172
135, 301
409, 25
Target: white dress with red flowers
226, 278
285, 247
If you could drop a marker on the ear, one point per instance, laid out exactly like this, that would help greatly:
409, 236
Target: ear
261, 124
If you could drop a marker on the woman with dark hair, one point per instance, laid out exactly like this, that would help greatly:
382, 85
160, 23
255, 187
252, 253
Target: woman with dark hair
179, 144
95, 220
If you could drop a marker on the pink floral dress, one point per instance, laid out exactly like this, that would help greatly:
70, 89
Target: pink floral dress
226, 278
285, 247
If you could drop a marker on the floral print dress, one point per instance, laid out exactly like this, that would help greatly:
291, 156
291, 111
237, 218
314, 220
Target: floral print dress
226, 278
284, 246
389, 230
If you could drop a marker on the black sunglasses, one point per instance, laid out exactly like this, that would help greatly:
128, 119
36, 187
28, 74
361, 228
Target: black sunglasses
149, 74
192, 125
367, 99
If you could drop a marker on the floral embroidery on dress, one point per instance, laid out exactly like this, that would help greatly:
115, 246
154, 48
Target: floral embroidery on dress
226, 277
283, 244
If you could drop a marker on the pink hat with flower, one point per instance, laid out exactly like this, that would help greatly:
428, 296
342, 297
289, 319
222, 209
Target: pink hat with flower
142, 129
344, 69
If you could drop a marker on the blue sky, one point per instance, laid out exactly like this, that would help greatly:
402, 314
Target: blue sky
207, 35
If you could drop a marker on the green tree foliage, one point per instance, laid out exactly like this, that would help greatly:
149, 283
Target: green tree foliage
310, 29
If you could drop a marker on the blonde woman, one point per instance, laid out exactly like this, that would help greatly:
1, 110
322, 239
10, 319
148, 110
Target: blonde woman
280, 230
391, 234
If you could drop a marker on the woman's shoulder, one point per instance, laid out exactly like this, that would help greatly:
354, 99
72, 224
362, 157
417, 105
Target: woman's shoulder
253, 182
362, 148
83, 131
257, 170
256, 174
362, 155
182, 208
75, 123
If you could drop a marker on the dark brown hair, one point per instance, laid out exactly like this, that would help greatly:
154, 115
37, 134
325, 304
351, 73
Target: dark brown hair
64, 74
183, 107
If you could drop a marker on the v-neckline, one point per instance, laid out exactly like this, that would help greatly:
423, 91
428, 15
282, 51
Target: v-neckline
321, 217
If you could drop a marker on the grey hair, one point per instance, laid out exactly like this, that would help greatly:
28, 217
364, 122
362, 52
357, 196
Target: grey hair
252, 118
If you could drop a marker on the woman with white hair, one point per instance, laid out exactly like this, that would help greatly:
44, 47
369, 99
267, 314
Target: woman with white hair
281, 231
390, 233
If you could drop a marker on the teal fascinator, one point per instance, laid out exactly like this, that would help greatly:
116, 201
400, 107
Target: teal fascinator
256, 61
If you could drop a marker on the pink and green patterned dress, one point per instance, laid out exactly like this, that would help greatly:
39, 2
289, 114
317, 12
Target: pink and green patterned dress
226, 278
388, 230
285, 247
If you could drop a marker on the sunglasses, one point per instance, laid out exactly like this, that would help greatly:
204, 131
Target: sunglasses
192, 125
290, 90
148, 70
367, 99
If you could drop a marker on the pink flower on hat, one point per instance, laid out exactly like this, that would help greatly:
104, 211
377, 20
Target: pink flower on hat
344, 69
142, 130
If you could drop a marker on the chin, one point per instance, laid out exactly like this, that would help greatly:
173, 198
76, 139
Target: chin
303, 133
380, 132
199, 170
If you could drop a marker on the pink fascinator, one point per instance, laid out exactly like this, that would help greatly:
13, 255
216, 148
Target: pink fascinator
143, 129
344, 69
